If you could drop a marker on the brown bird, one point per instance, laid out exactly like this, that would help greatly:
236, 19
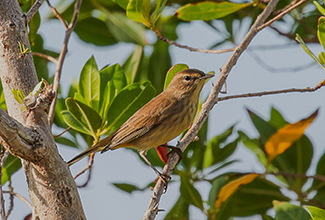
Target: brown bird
160, 120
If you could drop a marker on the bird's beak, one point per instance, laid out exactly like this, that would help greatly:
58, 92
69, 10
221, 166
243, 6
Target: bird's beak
207, 76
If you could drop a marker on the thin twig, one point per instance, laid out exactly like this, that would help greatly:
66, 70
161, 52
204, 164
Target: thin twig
21, 198
62, 56
11, 199
171, 42
57, 14
88, 167
300, 175
283, 13
259, 94
4, 155
62, 132
32, 11
42, 55
152, 209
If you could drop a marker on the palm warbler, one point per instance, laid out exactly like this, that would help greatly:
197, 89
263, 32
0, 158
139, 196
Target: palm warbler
160, 120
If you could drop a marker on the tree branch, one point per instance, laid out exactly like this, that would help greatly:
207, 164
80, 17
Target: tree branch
259, 94
45, 56
32, 11
152, 209
61, 59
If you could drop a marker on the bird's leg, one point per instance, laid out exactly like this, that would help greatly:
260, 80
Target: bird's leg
164, 178
174, 150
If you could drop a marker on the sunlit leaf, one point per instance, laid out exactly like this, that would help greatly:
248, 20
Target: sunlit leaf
287, 211
286, 136
19, 95
321, 31
132, 64
319, 7
316, 213
139, 10
172, 71
231, 187
321, 57
306, 49
208, 10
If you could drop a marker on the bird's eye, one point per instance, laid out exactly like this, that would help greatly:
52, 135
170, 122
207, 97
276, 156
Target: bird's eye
187, 78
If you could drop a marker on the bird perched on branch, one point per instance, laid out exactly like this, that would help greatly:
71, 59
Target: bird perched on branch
162, 119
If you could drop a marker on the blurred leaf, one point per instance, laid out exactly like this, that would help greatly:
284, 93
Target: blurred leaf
286, 136
209, 10
159, 64
33, 26
321, 31
306, 49
179, 211
132, 64
89, 84
231, 187
139, 11
124, 29
172, 71
66, 141
319, 7
316, 213
189, 192
94, 31
129, 188
277, 119
266, 217
127, 102
86, 116
321, 57
19, 95
265, 129
250, 199
2, 98
287, 211
122, 3
157, 12
11, 165
217, 185
215, 153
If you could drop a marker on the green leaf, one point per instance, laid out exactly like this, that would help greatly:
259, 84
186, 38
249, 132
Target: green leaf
126, 103
124, 29
112, 81
129, 188
208, 10
2, 98
321, 31
11, 165
89, 84
215, 153
94, 31
217, 184
159, 63
122, 3
66, 141
158, 9
287, 211
86, 116
19, 95
306, 49
179, 211
316, 213
133, 63
73, 123
189, 192
250, 199
139, 11
33, 27
319, 7
321, 57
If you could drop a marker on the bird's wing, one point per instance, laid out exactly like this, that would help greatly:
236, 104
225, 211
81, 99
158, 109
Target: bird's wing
148, 117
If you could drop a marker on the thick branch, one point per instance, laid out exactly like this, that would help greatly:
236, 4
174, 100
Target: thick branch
152, 210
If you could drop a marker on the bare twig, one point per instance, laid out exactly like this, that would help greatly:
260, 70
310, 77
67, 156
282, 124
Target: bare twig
259, 94
32, 11
3, 156
57, 14
62, 56
300, 175
152, 209
21, 198
11, 199
42, 55
88, 167
62, 132
171, 42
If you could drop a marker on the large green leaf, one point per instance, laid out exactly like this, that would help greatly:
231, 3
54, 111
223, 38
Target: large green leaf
189, 192
250, 199
89, 84
209, 10
179, 211
172, 72
127, 102
11, 165
132, 64
73, 123
94, 31
287, 211
139, 11
86, 116
316, 213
